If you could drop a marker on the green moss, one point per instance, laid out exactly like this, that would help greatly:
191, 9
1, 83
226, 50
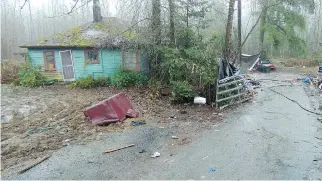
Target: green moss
72, 37
129, 35
42, 42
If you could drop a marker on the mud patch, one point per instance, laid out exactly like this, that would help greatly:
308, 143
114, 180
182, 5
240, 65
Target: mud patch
40, 120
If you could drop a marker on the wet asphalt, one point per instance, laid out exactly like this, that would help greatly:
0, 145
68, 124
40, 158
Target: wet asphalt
269, 138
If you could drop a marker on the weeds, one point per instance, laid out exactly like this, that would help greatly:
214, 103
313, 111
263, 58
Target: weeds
126, 78
89, 82
9, 71
29, 76
182, 92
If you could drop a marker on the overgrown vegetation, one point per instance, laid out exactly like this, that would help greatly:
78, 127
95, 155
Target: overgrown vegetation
189, 68
9, 71
127, 78
89, 82
182, 92
30, 76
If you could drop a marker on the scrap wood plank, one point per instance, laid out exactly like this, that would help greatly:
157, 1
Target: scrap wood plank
34, 164
109, 151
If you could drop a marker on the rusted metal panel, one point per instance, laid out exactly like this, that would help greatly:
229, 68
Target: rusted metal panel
110, 110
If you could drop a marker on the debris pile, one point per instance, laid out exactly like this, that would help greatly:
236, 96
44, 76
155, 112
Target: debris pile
314, 81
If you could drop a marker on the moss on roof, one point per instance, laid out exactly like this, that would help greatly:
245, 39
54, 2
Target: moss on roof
111, 32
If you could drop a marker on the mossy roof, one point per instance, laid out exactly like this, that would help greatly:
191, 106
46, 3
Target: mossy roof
109, 33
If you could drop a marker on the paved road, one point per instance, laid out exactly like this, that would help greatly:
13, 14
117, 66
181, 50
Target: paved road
272, 138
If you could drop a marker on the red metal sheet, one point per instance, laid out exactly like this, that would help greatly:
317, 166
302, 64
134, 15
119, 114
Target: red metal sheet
109, 110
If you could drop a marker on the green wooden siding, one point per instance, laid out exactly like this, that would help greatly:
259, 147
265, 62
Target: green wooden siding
37, 58
110, 62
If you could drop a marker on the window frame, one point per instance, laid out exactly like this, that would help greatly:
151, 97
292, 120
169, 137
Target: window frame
98, 61
46, 68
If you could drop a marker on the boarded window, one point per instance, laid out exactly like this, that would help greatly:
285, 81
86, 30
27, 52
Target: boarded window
129, 60
49, 60
92, 56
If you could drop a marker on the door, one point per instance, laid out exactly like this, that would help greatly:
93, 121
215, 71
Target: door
67, 65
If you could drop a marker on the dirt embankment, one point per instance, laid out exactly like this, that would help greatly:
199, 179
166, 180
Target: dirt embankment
37, 121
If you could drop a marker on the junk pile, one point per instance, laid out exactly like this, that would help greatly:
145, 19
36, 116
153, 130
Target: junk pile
257, 62
233, 87
111, 110
314, 81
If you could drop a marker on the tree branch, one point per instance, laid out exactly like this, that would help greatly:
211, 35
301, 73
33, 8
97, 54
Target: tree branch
257, 21
23, 4
74, 8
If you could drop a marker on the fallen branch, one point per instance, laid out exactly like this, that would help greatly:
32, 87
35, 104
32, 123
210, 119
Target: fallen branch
109, 151
36, 163
295, 102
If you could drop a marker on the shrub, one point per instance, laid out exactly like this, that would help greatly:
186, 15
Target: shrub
181, 92
30, 76
89, 82
126, 78
102, 81
9, 71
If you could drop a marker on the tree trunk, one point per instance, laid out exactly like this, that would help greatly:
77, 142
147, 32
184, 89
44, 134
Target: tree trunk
239, 49
156, 21
228, 29
97, 11
171, 19
187, 12
262, 27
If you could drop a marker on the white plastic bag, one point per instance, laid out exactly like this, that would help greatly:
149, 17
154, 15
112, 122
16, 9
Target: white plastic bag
199, 100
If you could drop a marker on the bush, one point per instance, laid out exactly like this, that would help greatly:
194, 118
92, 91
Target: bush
9, 71
102, 81
30, 76
127, 78
182, 92
89, 82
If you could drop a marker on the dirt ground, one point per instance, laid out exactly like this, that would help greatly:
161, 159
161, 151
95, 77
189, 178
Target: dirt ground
37, 121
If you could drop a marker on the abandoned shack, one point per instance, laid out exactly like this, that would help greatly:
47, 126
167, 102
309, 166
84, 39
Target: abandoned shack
97, 48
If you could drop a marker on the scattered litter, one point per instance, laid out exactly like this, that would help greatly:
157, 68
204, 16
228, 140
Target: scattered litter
34, 164
138, 123
199, 100
212, 169
109, 151
173, 117
205, 157
174, 137
161, 127
142, 151
319, 118
216, 130
156, 154
183, 112
220, 114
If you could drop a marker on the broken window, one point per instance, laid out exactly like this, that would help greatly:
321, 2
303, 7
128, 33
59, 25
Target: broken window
92, 56
49, 60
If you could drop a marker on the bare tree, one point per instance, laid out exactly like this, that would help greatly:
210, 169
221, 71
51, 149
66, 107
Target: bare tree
228, 30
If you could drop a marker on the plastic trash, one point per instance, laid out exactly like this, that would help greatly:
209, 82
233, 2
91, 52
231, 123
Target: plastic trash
174, 137
212, 169
156, 154
199, 100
